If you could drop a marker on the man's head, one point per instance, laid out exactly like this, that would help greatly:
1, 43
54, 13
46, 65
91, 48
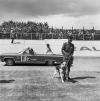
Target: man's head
48, 45
70, 38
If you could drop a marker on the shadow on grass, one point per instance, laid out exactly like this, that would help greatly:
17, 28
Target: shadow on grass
16, 42
83, 77
28, 64
74, 80
98, 72
6, 81
32, 64
71, 80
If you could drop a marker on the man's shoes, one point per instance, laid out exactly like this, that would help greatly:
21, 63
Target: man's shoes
69, 78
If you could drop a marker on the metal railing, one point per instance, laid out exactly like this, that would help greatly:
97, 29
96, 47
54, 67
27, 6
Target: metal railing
41, 36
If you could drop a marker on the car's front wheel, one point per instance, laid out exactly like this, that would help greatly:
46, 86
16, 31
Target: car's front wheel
9, 62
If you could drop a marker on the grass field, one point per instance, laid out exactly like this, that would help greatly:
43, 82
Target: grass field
35, 83
38, 85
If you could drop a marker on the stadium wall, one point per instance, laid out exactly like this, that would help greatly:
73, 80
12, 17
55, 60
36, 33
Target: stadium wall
82, 48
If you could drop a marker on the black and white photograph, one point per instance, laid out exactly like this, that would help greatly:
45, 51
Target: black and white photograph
49, 50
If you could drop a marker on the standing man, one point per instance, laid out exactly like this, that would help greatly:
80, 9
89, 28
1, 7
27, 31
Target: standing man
67, 51
12, 36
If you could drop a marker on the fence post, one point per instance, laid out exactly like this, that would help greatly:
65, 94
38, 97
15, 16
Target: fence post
93, 32
52, 35
31, 36
83, 33
72, 30
40, 36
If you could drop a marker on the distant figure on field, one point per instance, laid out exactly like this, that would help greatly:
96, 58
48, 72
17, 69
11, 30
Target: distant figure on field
12, 36
49, 51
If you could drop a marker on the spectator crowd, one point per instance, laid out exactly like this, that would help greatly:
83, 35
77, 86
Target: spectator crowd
40, 30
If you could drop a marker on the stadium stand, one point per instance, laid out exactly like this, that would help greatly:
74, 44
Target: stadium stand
38, 31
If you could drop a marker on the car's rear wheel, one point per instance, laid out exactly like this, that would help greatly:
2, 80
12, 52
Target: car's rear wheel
9, 62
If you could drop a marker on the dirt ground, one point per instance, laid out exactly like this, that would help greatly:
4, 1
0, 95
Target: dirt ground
37, 84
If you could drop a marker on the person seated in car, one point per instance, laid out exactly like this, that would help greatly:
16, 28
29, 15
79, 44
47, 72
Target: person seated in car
28, 51
31, 51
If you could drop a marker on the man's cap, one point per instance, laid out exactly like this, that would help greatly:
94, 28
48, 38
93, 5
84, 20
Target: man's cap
70, 37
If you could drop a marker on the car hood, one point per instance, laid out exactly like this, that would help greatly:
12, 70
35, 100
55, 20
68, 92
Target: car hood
10, 54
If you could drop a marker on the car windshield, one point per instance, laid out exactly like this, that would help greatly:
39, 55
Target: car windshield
20, 52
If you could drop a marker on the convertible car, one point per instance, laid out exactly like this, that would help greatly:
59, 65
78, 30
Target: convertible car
28, 55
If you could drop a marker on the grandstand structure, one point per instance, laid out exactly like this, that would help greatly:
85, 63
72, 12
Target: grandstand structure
40, 31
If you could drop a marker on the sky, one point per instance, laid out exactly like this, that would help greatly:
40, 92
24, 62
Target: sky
58, 13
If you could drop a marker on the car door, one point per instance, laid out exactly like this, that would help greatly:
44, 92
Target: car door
35, 58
